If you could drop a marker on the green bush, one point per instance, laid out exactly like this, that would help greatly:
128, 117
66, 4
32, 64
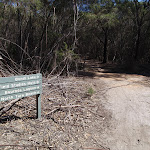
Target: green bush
90, 91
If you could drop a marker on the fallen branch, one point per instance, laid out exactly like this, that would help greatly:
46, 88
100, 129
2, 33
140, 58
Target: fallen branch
53, 111
39, 146
68, 106
94, 148
8, 106
1, 38
57, 108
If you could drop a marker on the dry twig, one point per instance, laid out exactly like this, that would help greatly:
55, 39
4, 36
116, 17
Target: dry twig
7, 107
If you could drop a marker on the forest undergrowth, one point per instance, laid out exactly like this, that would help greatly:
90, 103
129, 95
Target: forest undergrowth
72, 116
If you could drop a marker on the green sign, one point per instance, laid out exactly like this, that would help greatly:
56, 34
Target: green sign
17, 87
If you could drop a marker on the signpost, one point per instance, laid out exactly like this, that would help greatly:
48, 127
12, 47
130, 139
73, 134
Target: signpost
17, 87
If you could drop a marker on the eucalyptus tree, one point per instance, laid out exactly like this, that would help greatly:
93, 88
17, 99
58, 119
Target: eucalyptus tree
133, 18
140, 12
103, 18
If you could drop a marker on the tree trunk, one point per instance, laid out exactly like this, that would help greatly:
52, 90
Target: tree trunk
137, 44
105, 48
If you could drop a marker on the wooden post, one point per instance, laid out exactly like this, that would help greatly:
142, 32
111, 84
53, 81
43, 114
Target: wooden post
38, 105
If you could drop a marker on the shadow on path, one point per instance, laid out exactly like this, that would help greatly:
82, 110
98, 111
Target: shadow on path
94, 68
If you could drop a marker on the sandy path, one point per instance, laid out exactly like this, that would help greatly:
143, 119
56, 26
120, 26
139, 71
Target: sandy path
129, 102
128, 99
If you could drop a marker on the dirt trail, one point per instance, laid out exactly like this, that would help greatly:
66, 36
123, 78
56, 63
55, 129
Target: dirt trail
114, 116
128, 98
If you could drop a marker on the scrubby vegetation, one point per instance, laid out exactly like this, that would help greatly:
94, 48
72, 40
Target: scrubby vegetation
50, 36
